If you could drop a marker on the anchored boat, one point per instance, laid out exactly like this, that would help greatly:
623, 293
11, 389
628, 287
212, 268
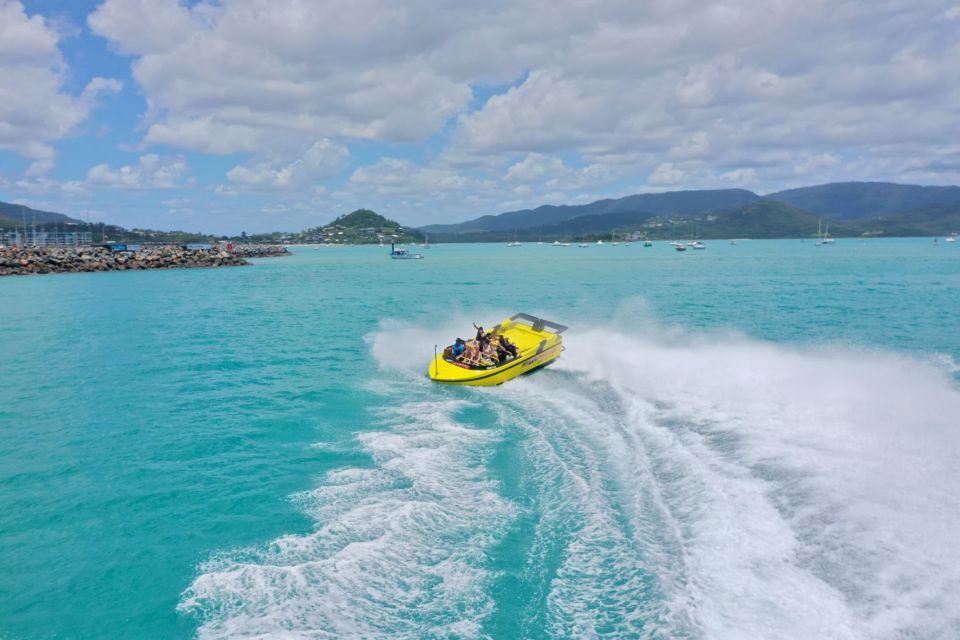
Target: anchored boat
400, 253
538, 343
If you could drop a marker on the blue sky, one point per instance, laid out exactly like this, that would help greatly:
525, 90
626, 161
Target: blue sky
256, 115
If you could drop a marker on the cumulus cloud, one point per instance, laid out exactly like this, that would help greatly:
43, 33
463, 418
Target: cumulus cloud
538, 172
666, 174
432, 193
400, 177
323, 160
673, 95
243, 75
68, 189
35, 110
684, 81
178, 205
740, 177
144, 26
151, 172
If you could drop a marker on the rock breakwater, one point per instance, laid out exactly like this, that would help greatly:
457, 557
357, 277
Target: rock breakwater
28, 260
260, 250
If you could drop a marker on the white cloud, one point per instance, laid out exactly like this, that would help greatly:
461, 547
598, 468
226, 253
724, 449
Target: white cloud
695, 145
807, 164
178, 205
666, 174
683, 80
439, 192
70, 189
245, 75
34, 108
543, 173
151, 172
145, 26
664, 95
398, 177
323, 160
535, 167
740, 177
529, 111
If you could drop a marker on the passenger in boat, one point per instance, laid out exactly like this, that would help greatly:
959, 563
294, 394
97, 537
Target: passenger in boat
480, 333
471, 354
509, 346
488, 351
502, 353
458, 348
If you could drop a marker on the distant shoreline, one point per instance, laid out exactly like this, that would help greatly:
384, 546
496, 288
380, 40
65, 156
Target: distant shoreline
606, 240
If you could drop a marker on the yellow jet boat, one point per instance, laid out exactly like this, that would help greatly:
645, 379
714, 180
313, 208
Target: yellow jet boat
538, 343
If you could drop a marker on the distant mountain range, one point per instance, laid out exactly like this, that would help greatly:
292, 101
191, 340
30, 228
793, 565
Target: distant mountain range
852, 208
630, 209
858, 200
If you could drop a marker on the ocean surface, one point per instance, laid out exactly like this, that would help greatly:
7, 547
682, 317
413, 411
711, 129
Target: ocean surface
752, 441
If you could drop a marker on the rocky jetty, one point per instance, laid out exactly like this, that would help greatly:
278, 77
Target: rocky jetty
27, 260
260, 250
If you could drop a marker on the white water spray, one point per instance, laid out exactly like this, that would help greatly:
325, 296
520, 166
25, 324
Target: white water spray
692, 486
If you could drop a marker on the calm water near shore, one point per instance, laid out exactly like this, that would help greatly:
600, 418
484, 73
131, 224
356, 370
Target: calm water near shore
756, 440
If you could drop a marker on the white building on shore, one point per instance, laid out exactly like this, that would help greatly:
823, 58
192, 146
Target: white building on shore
40, 238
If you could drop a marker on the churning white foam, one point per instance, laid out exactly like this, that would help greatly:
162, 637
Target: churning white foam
809, 492
398, 550
687, 486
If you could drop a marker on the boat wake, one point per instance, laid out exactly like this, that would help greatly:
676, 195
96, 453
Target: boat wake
711, 486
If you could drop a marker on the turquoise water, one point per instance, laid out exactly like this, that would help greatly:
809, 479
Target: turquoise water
756, 440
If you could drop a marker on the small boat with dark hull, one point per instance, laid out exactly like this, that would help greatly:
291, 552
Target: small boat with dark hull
538, 343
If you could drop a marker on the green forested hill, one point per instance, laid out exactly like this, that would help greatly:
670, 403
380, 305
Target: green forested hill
770, 219
362, 226
364, 218
926, 221
853, 208
14, 215
862, 200
692, 202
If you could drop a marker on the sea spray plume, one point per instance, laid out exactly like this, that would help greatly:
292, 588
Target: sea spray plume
698, 534
681, 486
810, 484
405, 346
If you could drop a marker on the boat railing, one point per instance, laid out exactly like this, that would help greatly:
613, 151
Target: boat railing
538, 324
